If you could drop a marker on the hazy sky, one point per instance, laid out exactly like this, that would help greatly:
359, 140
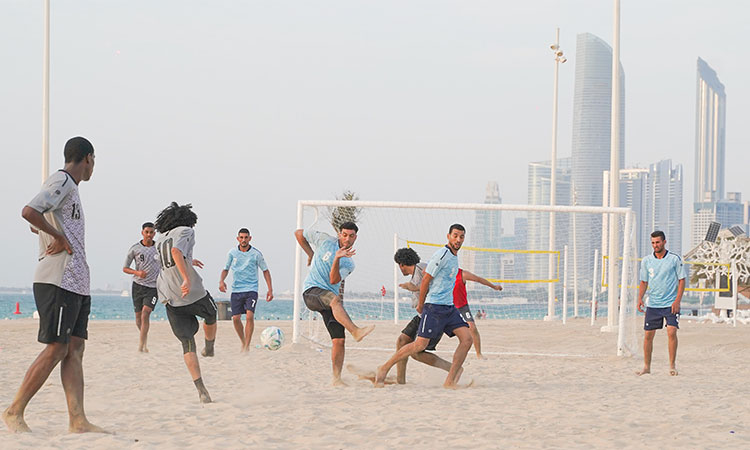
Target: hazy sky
243, 108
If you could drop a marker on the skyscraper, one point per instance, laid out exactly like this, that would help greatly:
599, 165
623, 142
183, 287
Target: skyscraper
710, 107
592, 112
487, 232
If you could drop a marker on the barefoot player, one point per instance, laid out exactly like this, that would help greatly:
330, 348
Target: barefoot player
244, 261
145, 273
181, 288
330, 261
61, 288
439, 315
460, 301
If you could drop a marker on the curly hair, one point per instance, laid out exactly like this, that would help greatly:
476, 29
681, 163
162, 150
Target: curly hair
174, 216
406, 256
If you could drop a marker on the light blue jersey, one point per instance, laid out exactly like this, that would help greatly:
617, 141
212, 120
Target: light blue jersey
662, 276
244, 266
443, 268
325, 247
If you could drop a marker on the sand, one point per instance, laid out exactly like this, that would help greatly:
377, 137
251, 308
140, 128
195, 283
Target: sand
284, 399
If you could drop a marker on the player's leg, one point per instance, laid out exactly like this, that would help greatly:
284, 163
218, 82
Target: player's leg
407, 336
403, 353
71, 367
469, 318
138, 320
431, 359
250, 302
237, 311
209, 311
145, 325
651, 322
184, 326
672, 326
137, 304
464, 345
337, 306
338, 350
35, 377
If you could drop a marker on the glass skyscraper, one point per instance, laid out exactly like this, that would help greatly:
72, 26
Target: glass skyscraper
592, 113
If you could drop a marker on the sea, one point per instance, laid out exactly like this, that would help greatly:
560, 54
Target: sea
117, 307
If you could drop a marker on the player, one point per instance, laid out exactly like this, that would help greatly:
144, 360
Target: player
460, 300
145, 273
439, 315
663, 275
330, 261
244, 261
61, 288
181, 288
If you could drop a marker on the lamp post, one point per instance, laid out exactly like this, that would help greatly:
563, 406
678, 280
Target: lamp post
559, 58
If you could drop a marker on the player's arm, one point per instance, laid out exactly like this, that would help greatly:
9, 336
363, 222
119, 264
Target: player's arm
468, 276
423, 288
409, 286
300, 235
641, 292
222, 277
267, 276
680, 290
126, 267
36, 219
335, 275
179, 261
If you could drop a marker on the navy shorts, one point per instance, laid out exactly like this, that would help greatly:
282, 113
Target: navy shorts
655, 318
439, 319
411, 330
243, 301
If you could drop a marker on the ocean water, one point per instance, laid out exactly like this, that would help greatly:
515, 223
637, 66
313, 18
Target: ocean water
115, 307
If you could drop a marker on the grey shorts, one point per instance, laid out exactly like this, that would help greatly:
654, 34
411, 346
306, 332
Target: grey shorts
318, 299
466, 313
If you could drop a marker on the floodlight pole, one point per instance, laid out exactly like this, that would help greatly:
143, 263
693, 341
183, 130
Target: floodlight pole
553, 183
614, 173
45, 96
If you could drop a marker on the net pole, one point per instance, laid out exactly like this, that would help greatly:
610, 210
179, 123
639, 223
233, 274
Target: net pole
395, 281
624, 284
575, 270
593, 287
565, 285
297, 281
734, 292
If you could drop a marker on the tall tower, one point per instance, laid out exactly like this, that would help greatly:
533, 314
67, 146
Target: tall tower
592, 112
710, 111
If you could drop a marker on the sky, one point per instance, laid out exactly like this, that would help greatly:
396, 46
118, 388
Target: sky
244, 108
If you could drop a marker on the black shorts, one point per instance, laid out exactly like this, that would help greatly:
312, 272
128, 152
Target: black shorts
411, 330
144, 296
62, 313
183, 319
466, 313
317, 299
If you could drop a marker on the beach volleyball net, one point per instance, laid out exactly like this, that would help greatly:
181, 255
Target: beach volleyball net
505, 244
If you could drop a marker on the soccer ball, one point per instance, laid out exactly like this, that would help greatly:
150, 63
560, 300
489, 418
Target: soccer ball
272, 338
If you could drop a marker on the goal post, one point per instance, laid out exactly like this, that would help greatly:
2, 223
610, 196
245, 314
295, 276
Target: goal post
489, 250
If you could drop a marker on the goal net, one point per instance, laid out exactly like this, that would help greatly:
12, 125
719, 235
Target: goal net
505, 244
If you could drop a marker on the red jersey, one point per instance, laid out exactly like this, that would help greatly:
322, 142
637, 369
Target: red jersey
459, 291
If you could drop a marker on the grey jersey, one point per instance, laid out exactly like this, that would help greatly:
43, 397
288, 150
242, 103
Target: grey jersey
169, 281
416, 280
59, 202
146, 259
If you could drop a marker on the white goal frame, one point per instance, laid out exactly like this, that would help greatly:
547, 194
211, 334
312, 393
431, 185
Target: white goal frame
604, 210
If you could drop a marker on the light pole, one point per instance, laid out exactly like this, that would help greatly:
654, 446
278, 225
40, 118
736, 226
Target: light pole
614, 173
45, 96
559, 58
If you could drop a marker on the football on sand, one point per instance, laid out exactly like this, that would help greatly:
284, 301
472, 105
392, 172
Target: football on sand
272, 338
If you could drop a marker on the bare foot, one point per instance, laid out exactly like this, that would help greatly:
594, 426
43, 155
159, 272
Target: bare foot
244, 349
143, 349
380, 374
643, 372
369, 375
360, 333
338, 382
15, 422
204, 397
481, 356
673, 372
455, 385
84, 426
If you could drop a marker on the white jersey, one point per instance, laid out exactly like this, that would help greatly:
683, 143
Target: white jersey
169, 281
416, 280
59, 202
146, 259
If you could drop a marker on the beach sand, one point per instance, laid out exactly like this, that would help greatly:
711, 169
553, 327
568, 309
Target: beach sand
284, 398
